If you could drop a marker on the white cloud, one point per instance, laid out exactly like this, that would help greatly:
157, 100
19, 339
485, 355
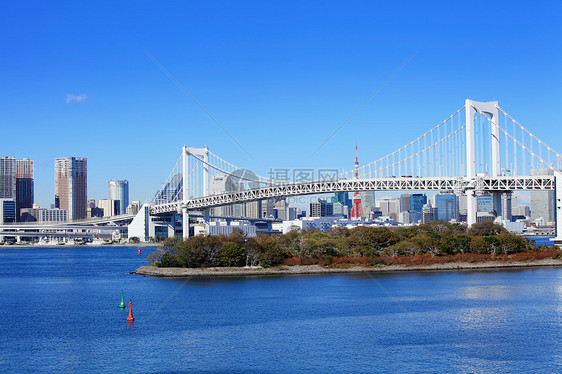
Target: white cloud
70, 98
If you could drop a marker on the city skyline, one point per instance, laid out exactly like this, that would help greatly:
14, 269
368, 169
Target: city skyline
257, 68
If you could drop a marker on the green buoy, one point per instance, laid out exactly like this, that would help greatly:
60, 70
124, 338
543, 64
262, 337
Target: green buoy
122, 305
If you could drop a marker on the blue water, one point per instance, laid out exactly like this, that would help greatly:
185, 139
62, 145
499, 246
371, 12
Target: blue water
58, 312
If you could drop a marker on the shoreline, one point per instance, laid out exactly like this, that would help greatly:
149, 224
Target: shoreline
153, 271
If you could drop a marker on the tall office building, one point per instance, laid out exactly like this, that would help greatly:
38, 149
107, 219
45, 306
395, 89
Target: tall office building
321, 208
7, 177
543, 203
119, 191
110, 207
24, 185
71, 186
429, 213
220, 184
485, 204
405, 202
368, 201
417, 201
447, 205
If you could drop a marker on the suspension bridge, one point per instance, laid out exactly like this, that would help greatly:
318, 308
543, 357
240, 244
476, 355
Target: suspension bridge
478, 149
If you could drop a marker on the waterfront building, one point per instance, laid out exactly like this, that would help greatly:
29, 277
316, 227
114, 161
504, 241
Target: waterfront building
543, 203
16, 182
52, 215
7, 210
24, 185
7, 177
110, 207
417, 201
447, 206
119, 191
71, 186
226, 228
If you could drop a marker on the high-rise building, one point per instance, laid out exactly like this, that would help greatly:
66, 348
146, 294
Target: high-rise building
7, 177
447, 205
485, 203
417, 201
133, 208
368, 201
24, 185
267, 207
389, 207
109, 206
171, 191
405, 202
543, 202
321, 208
220, 184
119, 190
429, 213
71, 186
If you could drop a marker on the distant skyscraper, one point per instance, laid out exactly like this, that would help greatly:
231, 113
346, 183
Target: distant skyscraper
404, 202
7, 177
429, 213
24, 185
321, 208
109, 207
171, 191
485, 203
119, 191
543, 203
447, 206
417, 201
220, 184
71, 186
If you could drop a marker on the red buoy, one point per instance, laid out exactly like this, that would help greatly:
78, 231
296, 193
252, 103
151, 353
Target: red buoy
131, 318
139, 252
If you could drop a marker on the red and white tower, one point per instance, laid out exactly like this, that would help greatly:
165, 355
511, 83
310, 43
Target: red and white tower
357, 210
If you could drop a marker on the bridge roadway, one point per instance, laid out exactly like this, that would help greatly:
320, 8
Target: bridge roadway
460, 184
82, 228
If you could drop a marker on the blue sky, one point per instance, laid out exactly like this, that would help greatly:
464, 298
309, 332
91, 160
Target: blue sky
280, 76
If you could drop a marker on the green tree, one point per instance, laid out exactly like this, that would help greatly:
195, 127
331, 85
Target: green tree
486, 228
232, 254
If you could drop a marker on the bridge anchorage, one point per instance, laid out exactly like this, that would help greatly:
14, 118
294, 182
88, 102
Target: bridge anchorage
483, 150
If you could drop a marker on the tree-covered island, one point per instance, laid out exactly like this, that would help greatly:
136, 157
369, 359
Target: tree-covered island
431, 243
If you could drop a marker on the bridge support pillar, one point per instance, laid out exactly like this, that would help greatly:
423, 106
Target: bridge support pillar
558, 204
471, 207
185, 223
